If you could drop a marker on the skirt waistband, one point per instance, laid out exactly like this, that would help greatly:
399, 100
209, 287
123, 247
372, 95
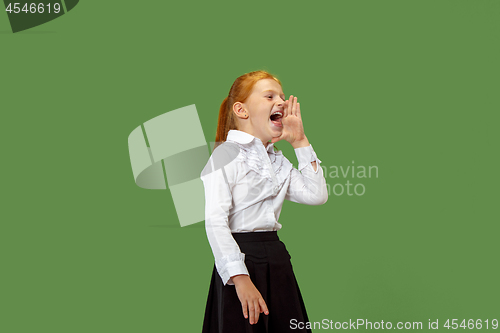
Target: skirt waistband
255, 236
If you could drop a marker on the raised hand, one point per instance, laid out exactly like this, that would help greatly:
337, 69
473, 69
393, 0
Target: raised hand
293, 129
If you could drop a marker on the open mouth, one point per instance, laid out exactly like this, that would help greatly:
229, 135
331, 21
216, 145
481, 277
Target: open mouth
276, 118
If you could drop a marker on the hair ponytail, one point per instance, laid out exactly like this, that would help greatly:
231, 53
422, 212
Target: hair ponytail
239, 92
225, 123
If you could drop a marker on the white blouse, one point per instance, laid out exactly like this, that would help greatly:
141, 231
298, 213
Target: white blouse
245, 187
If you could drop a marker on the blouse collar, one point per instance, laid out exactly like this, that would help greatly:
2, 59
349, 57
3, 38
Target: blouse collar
246, 138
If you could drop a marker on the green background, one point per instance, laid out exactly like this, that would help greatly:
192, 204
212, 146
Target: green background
409, 86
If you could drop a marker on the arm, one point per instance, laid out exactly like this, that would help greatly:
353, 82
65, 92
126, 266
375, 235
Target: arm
218, 180
301, 144
307, 184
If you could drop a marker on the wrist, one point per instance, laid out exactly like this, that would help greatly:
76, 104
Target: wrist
300, 143
239, 279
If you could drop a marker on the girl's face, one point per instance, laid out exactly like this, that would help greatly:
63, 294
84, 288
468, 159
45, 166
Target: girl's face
266, 99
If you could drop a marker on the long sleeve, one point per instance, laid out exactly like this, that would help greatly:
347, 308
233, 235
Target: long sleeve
306, 185
218, 179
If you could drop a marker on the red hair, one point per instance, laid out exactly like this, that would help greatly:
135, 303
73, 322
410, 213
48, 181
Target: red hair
239, 92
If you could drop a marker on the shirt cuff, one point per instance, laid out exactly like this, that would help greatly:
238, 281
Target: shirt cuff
233, 268
306, 155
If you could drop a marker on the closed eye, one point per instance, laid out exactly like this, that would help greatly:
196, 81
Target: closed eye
283, 98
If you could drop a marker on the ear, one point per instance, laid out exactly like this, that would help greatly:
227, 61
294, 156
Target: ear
240, 111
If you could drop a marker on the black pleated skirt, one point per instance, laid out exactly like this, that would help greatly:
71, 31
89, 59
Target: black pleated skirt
270, 269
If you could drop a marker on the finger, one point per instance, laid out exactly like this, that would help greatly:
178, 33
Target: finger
294, 107
263, 306
298, 109
251, 309
276, 139
257, 310
290, 105
285, 109
244, 305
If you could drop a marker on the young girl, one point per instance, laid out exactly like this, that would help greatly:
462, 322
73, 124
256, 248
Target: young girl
246, 182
